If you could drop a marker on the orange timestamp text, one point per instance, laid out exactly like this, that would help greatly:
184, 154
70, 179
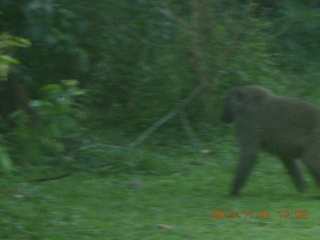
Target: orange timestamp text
283, 214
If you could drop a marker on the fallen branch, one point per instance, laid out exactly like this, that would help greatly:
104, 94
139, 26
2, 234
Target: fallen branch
168, 116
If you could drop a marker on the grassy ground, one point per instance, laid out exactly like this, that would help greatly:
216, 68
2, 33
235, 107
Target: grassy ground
175, 203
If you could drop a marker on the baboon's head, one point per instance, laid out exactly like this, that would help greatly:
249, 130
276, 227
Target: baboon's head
240, 97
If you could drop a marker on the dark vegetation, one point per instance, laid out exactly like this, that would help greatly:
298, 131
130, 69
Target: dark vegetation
126, 94
137, 61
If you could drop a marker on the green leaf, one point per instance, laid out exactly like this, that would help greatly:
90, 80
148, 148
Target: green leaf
35, 103
5, 160
8, 59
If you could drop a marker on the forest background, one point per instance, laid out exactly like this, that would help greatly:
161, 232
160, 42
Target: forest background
109, 117
79, 78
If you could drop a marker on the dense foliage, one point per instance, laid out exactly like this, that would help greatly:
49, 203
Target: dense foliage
138, 60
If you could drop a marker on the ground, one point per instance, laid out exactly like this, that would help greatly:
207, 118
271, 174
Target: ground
177, 204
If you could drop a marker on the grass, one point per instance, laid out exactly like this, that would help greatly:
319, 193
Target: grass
174, 200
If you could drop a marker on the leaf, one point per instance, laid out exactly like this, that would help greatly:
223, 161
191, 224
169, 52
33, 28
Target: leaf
8, 59
5, 160
79, 92
164, 226
35, 103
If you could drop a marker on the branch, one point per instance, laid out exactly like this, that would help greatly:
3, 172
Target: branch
205, 81
169, 115
186, 125
50, 178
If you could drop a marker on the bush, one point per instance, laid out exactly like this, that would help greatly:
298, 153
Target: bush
52, 127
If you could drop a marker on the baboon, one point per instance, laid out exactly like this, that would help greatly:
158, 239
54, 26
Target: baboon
286, 127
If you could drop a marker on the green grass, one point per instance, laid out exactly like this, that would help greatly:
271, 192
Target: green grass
181, 195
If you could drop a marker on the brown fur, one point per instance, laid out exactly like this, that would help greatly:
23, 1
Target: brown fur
288, 128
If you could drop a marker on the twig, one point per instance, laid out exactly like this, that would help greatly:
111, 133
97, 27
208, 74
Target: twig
186, 125
50, 178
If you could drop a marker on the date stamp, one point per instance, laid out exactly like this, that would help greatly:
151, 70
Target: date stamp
283, 214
